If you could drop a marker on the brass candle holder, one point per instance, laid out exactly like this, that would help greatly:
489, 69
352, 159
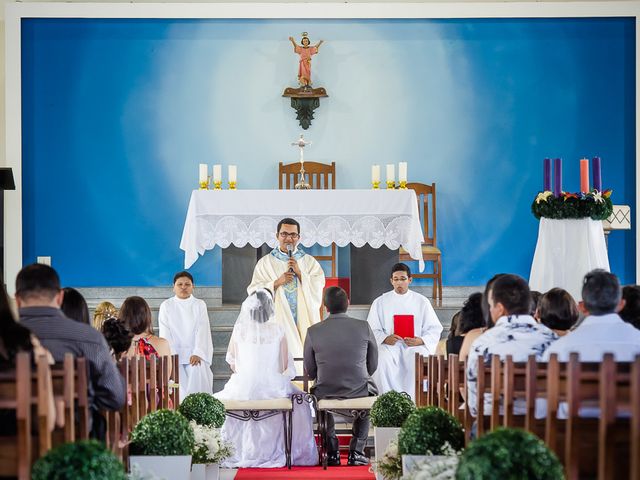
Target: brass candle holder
391, 185
376, 185
204, 185
403, 185
217, 185
232, 185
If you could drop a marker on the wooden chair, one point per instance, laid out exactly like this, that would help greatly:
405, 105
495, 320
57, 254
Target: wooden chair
20, 390
422, 380
431, 253
70, 386
172, 372
320, 176
488, 383
456, 381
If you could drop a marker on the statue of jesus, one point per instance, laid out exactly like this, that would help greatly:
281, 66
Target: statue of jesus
305, 51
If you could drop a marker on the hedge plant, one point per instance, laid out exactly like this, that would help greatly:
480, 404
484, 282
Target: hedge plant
391, 409
430, 431
508, 454
86, 459
164, 433
204, 409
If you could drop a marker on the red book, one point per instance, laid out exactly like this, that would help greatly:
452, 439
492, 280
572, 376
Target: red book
403, 325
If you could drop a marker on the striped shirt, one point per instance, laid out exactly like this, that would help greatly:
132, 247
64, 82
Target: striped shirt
60, 335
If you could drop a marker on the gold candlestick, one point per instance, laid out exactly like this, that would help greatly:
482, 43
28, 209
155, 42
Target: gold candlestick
376, 185
403, 185
204, 185
232, 185
391, 185
217, 185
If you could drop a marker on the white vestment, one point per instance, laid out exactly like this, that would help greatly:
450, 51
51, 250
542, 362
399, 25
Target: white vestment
396, 363
185, 324
309, 297
263, 369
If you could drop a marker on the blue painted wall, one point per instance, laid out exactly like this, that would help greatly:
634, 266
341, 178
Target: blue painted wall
117, 114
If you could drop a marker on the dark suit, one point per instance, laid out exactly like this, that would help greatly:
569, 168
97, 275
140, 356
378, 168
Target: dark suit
341, 353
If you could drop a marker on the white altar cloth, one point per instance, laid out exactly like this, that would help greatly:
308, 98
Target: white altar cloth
238, 217
565, 252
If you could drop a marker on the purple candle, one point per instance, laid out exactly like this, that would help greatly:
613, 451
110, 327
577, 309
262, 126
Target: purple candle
546, 185
597, 174
557, 177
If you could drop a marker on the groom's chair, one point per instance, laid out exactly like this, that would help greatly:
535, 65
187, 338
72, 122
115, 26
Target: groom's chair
257, 410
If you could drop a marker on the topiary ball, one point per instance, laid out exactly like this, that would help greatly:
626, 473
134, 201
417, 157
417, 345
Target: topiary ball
164, 433
427, 431
391, 409
86, 459
204, 409
508, 454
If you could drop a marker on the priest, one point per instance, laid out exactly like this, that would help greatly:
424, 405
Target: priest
184, 322
296, 280
404, 323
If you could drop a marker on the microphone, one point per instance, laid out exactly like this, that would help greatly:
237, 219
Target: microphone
290, 252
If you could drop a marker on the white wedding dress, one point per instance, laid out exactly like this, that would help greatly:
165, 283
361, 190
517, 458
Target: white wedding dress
263, 369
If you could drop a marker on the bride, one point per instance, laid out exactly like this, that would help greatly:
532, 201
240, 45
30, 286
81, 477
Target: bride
262, 369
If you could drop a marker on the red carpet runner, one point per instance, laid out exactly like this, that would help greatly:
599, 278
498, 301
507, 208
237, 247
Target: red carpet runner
352, 473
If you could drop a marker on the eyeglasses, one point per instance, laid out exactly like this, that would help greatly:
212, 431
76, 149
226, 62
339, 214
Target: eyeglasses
292, 236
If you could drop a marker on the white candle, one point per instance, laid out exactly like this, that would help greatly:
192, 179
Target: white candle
375, 174
233, 173
217, 173
402, 172
204, 172
391, 173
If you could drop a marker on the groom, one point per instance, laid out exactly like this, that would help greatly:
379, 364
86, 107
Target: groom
296, 280
341, 354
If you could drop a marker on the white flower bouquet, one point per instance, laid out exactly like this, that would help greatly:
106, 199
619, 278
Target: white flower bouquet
209, 446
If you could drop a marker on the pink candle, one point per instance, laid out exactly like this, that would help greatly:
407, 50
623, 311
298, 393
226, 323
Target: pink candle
584, 175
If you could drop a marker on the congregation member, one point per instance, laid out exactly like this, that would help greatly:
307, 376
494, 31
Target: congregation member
341, 354
118, 337
602, 330
630, 313
263, 368
441, 349
396, 353
38, 296
136, 315
295, 279
184, 322
103, 311
557, 310
513, 332
74, 306
470, 317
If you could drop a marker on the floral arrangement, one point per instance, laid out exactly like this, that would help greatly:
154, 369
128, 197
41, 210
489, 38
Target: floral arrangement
594, 204
443, 469
209, 447
390, 465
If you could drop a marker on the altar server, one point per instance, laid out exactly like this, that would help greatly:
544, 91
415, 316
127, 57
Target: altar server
404, 308
296, 280
184, 321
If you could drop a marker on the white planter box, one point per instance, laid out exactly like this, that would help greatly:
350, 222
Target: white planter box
209, 471
176, 467
411, 462
382, 436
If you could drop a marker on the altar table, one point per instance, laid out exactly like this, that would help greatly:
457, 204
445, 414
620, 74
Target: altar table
359, 217
566, 251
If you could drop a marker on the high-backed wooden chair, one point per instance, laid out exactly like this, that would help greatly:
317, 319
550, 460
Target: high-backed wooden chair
431, 253
456, 383
320, 176
70, 386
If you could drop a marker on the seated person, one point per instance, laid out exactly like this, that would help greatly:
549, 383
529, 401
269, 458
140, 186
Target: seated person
103, 311
118, 337
341, 354
602, 331
74, 306
514, 332
630, 313
396, 355
441, 349
136, 315
557, 310
184, 322
262, 369
469, 318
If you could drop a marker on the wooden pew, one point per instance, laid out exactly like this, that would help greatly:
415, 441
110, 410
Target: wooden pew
70, 386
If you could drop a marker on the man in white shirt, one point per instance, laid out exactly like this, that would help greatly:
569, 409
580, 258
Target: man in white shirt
514, 332
396, 355
602, 331
296, 280
184, 322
